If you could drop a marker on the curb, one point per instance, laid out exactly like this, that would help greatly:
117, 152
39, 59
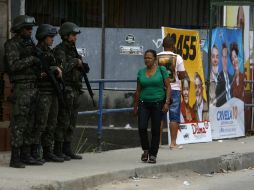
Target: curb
233, 161
5, 156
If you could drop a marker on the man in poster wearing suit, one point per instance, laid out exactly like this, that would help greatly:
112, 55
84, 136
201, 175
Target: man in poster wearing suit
200, 107
223, 89
214, 74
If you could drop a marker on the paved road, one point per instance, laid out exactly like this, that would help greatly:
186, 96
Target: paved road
187, 180
95, 169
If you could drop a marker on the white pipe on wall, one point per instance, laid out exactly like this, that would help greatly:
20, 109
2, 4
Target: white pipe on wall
22, 7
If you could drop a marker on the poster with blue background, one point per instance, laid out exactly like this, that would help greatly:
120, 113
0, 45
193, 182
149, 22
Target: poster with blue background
228, 36
226, 89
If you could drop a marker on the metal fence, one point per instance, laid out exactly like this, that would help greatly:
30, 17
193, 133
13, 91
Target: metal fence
100, 111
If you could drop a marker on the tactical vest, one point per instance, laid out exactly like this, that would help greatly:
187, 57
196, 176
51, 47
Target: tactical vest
49, 65
29, 73
74, 77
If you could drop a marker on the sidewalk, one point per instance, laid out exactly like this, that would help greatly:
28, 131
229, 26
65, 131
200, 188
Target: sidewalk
98, 168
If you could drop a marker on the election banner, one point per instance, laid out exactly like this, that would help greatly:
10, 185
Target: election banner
226, 109
239, 17
194, 106
227, 121
194, 133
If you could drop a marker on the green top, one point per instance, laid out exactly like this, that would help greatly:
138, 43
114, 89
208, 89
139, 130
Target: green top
152, 88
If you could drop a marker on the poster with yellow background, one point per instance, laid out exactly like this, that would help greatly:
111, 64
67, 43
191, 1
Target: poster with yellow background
195, 126
188, 47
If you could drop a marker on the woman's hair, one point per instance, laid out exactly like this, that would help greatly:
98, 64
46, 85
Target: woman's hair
233, 47
186, 79
152, 52
197, 76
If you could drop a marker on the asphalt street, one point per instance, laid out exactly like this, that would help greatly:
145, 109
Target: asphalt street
186, 180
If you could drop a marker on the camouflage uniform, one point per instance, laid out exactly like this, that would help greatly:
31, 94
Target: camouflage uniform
23, 71
68, 114
47, 107
23, 74
73, 84
47, 104
67, 54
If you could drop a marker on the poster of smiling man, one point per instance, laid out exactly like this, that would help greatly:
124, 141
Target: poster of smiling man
226, 112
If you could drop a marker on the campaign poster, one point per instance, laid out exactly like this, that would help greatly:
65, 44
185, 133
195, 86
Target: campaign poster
239, 17
194, 133
194, 105
226, 110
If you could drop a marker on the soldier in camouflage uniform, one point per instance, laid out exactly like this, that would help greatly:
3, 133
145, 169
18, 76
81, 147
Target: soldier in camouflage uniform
47, 105
66, 53
23, 70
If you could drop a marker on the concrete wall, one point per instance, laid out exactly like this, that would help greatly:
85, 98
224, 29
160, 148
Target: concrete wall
111, 99
85, 138
118, 66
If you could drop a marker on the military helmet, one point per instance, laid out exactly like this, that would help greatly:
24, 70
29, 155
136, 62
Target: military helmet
22, 21
68, 28
45, 30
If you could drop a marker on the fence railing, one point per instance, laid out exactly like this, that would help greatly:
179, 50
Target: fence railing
100, 111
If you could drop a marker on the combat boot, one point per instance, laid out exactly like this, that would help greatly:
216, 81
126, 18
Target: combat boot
35, 153
15, 158
68, 151
26, 157
58, 150
49, 156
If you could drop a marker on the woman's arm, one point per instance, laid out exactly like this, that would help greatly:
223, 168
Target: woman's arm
168, 92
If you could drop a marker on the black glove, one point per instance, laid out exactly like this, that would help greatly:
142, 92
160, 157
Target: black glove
86, 67
49, 59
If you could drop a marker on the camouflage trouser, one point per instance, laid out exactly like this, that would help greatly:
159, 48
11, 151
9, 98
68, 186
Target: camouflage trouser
23, 113
67, 116
46, 119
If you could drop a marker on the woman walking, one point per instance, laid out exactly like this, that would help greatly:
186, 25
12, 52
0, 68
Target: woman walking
151, 100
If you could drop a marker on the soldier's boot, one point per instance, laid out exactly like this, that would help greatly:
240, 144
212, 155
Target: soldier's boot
26, 157
15, 161
49, 156
68, 151
35, 153
58, 151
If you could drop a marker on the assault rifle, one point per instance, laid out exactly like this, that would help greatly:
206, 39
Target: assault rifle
85, 69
